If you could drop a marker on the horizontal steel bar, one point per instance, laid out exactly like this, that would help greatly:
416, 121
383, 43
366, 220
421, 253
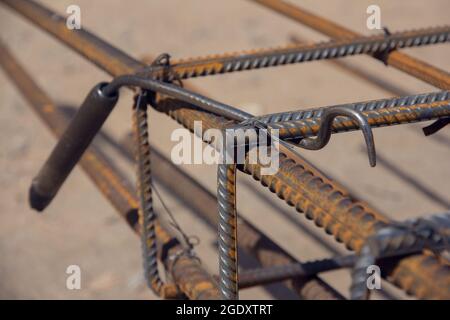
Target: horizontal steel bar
360, 73
186, 271
371, 105
260, 276
297, 53
307, 126
297, 182
413, 66
263, 58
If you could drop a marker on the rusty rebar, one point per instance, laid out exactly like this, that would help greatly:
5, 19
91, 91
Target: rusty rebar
297, 53
250, 240
186, 271
259, 276
296, 125
301, 185
432, 233
330, 206
228, 257
147, 215
413, 66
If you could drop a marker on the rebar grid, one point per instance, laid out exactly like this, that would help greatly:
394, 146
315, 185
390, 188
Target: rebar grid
297, 182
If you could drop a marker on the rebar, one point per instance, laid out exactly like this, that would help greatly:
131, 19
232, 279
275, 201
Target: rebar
400, 238
410, 65
297, 182
372, 105
251, 240
260, 276
295, 126
147, 216
189, 275
228, 259
330, 206
297, 53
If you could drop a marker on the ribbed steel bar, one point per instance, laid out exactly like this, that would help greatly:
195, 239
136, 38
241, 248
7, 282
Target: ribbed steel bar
330, 206
186, 271
413, 66
117, 63
250, 240
379, 113
361, 73
147, 215
372, 105
295, 53
254, 277
298, 53
401, 238
297, 182
228, 258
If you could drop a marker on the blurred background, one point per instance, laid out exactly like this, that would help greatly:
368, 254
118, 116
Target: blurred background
412, 177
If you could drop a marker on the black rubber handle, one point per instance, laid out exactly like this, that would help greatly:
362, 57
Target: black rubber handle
69, 149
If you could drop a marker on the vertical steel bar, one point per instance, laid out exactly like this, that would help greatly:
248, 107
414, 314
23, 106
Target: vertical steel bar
147, 215
251, 240
228, 260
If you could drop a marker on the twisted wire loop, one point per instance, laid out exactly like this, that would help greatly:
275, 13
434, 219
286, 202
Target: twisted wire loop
227, 231
264, 58
384, 55
167, 73
408, 237
147, 216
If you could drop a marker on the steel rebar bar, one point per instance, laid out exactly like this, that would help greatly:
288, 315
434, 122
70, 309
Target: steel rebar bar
253, 277
228, 257
297, 53
294, 125
432, 232
297, 182
410, 65
186, 271
250, 240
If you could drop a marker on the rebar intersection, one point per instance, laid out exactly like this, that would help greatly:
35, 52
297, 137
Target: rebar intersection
296, 181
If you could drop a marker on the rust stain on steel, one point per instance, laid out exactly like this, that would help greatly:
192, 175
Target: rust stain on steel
187, 271
251, 240
85, 43
376, 118
325, 202
352, 220
415, 67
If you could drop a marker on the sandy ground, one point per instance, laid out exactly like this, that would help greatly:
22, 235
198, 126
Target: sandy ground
81, 228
